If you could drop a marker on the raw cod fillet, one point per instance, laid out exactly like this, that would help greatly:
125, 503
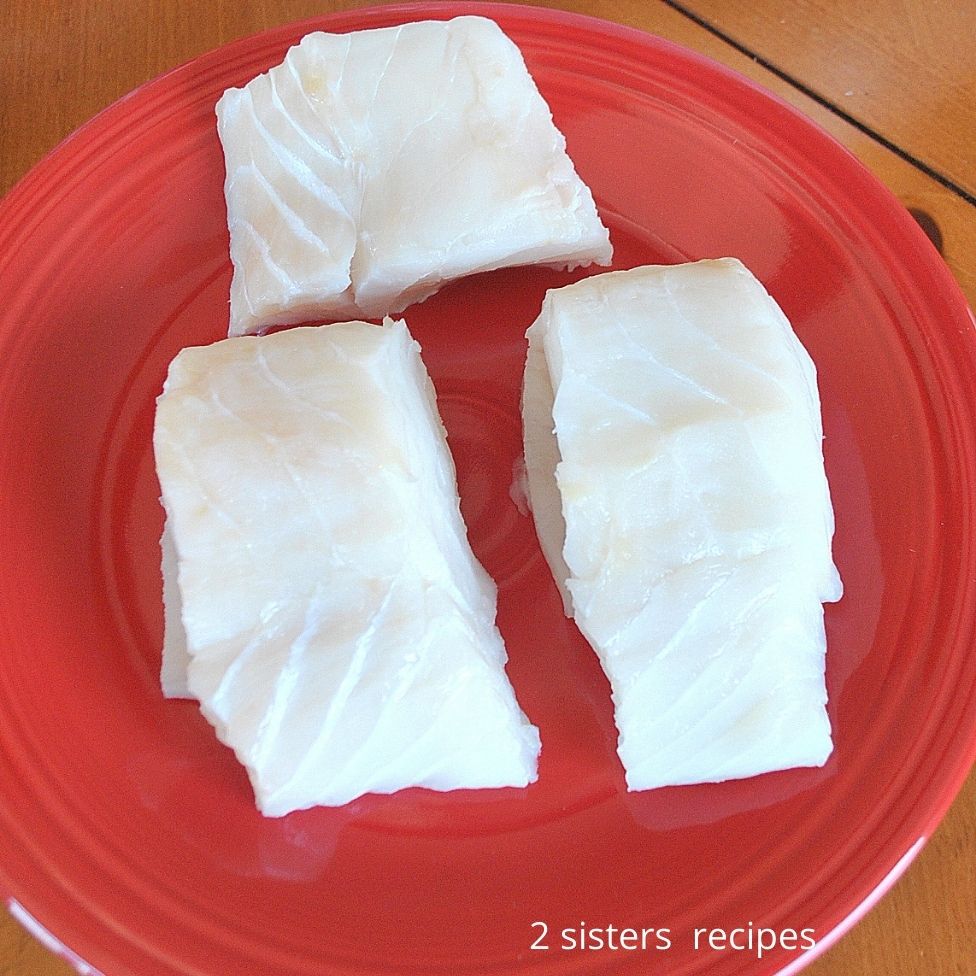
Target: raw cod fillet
369, 168
673, 445
339, 633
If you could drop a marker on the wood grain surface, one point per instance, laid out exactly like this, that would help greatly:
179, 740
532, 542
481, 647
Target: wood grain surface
893, 80
905, 69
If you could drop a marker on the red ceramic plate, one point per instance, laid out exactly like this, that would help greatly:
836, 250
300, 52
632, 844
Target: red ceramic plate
131, 835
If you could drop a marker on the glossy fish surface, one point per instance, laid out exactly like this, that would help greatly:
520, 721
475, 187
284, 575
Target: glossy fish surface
369, 168
334, 625
673, 444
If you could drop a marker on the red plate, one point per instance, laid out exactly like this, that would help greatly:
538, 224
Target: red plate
131, 834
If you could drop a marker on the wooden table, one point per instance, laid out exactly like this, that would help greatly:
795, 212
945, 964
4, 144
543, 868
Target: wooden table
894, 80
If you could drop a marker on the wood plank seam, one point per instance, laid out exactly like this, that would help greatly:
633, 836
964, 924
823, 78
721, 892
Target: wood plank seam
822, 101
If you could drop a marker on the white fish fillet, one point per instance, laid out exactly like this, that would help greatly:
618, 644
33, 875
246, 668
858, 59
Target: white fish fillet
340, 633
176, 656
369, 168
673, 445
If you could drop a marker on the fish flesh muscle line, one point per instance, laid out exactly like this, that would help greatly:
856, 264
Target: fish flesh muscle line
369, 168
333, 622
673, 444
